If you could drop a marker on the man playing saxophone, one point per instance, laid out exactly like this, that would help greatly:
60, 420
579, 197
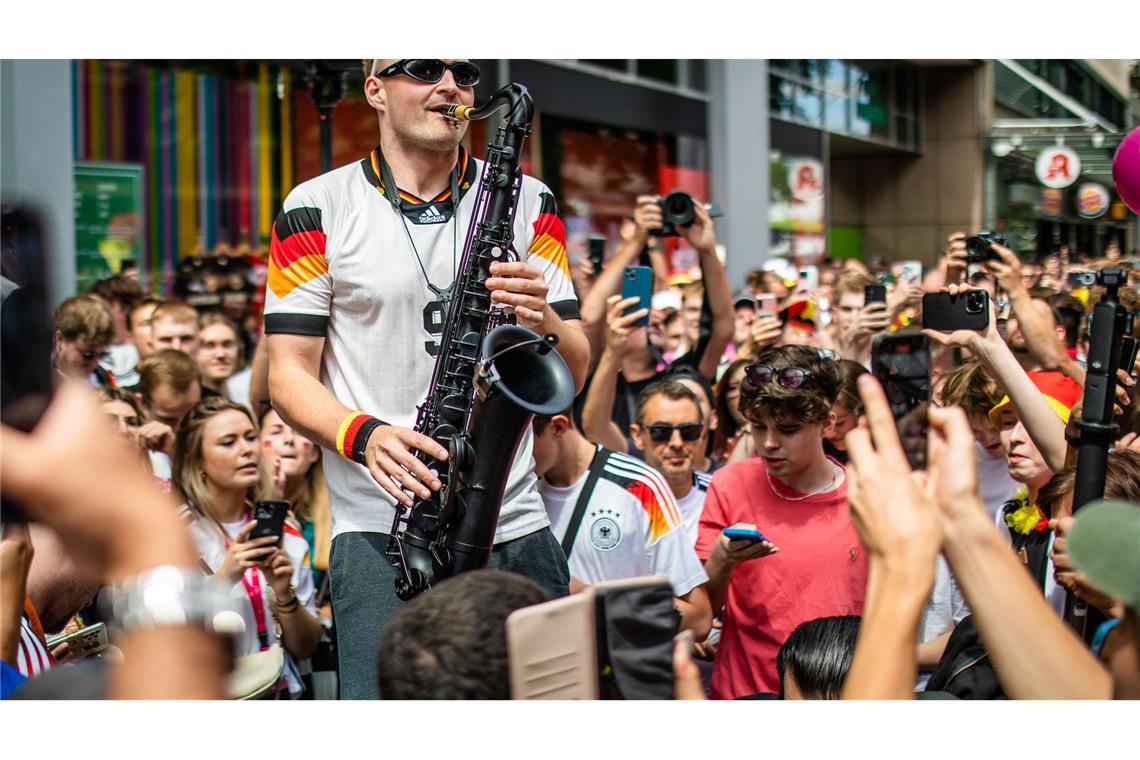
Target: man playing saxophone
361, 262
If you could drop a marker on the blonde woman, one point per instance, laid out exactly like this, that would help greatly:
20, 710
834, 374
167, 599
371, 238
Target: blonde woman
217, 466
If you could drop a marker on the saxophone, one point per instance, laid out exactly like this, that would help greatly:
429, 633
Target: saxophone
491, 377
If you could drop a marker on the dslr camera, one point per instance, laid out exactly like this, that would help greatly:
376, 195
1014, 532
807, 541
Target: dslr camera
979, 247
677, 210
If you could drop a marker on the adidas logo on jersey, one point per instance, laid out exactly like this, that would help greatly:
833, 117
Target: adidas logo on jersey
431, 216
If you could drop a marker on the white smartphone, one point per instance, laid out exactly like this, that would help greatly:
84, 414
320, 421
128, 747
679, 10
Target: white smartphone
766, 305
911, 271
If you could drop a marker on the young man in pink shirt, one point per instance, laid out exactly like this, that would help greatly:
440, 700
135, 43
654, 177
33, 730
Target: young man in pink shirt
810, 563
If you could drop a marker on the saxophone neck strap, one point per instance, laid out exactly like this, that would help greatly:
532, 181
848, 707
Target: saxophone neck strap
596, 464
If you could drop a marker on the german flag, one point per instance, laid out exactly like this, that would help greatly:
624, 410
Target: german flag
296, 250
550, 235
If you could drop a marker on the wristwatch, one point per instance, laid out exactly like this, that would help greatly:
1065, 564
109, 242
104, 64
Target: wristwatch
167, 596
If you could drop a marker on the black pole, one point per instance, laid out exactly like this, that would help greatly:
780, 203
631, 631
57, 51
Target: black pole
325, 118
326, 86
1109, 322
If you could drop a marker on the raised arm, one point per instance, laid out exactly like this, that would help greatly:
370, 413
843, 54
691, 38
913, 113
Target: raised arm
1040, 338
597, 412
718, 294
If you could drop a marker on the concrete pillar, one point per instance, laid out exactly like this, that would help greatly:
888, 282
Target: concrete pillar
36, 158
739, 141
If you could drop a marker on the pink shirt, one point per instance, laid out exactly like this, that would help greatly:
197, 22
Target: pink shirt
820, 571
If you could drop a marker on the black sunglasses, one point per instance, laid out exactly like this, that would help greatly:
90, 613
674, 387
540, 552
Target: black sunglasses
662, 433
431, 70
788, 377
89, 355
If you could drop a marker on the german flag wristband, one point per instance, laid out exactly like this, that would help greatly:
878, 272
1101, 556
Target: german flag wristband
352, 438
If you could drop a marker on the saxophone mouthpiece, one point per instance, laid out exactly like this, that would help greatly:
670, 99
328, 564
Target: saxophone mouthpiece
455, 113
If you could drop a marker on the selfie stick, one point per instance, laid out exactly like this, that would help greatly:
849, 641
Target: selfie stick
1110, 320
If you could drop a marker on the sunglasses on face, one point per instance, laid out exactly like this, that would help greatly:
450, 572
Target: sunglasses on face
431, 70
788, 377
662, 433
100, 355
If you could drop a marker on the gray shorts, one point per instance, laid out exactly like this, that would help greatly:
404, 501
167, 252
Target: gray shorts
364, 595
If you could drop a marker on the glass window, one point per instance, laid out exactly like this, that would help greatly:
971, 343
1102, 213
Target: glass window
614, 64
808, 106
807, 69
835, 114
658, 69
780, 96
869, 104
780, 65
698, 74
834, 76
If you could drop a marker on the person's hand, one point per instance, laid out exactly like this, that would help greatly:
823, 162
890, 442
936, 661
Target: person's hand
731, 553
904, 294
521, 286
966, 338
244, 554
1006, 270
278, 572
700, 234
394, 466
764, 332
156, 436
15, 559
75, 474
956, 258
275, 489
1130, 441
706, 650
619, 325
647, 218
870, 319
894, 519
686, 675
1072, 580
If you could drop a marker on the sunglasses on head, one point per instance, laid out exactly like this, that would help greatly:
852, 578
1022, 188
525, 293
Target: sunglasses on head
788, 377
662, 433
431, 70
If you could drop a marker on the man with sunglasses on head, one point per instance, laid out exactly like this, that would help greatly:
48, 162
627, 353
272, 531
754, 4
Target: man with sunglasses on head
362, 261
808, 562
616, 517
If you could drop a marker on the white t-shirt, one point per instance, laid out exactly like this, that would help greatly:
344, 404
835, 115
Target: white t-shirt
237, 386
632, 526
341, 267
123, 364
160, 467
995, 484
692, 503
212, 550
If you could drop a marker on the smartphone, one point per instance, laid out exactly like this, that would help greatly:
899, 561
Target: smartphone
552, 649
911, 271
85, 642
809, 277
766, 305
966, 311
744, 534
901, 364
637, 282
597, 252
25, 327
1129, 348
874, 294
270, 517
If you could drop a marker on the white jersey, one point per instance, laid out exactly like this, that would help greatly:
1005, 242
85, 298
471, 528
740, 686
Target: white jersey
631, 528
212, 548
692, 504
341, 267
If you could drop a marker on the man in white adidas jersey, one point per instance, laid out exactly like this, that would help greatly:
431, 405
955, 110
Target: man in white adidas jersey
361, 262
616, 518
667, 431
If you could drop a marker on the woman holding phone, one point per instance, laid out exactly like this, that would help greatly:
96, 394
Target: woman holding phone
217, 467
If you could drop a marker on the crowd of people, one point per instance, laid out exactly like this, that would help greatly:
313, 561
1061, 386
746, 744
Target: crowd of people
736, 448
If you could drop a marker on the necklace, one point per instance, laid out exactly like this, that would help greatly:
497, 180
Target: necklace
392, 192
830, 483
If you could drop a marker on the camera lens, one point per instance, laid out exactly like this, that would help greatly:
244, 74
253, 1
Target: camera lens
678, 208
975, 302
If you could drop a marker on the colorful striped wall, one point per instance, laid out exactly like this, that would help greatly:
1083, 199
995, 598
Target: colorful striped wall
216, 158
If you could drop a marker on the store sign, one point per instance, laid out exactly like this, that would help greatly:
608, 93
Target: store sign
1058, 167
1092, 200
1052, 204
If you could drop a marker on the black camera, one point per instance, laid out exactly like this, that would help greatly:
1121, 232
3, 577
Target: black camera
1079, 279
1111, 277
678, 210
979, 247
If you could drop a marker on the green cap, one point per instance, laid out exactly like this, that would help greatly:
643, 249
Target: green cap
1104, 544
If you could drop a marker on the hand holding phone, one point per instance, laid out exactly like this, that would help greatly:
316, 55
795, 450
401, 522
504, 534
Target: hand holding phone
766, 305
637, 282
742, 542
874, 294
946, 312
744, 533
270, 517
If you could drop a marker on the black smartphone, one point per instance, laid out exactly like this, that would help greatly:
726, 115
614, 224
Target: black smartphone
874, 294
637, 282
270, 516
25, 326
597, 252
1129, 348
969, 310
901, 364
